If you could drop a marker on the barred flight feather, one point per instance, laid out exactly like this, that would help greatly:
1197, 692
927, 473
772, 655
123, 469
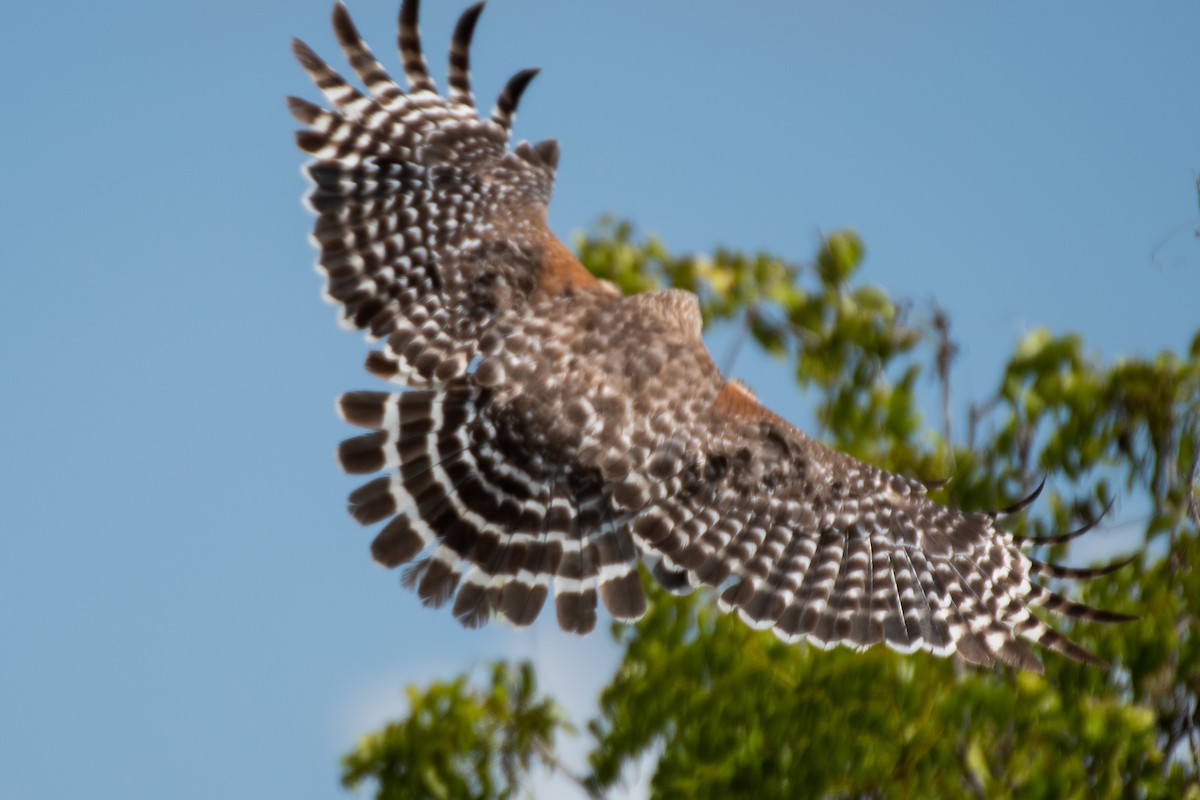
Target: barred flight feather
554, 433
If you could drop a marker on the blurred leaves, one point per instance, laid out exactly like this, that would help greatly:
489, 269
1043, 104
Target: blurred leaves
735, 712
728, 711
460, 742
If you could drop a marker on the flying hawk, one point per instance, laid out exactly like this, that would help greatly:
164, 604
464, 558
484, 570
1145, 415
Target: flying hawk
554, 432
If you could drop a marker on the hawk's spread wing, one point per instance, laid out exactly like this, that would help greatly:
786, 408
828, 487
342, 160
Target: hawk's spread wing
556, 431
428, 226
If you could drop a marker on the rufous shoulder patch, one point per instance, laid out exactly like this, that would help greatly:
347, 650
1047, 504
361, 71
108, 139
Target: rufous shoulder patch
735, 398
560, 269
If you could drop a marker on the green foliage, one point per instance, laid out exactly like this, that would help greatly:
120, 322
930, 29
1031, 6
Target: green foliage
841, 338
734, 712
459, 742
743, 714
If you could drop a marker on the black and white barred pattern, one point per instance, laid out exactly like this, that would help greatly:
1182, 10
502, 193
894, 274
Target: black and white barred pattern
554, 433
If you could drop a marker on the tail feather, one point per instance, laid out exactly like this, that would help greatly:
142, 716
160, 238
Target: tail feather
577, 577
523, 575
477, 525
541, 564
400, 541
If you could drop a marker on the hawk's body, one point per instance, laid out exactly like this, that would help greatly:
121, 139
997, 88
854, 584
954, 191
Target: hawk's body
557, 431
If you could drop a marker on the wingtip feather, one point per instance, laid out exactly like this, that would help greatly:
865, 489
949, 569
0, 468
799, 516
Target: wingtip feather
303, 111
510, 97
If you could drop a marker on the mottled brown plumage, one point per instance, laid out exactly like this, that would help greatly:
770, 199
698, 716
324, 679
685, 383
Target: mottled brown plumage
555, 432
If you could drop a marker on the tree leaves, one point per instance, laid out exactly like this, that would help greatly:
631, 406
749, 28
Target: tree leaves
733, 712
458, 741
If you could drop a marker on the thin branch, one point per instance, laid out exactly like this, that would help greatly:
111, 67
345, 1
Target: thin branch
1194, 740
960, 752
739, 340
1170, 235
1162, 266
550, 759
1193, 489
946, 351
976, 413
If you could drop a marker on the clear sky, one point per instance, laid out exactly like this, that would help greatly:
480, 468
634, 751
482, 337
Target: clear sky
186, 611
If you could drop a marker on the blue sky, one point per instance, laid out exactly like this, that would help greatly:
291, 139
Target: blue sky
186, 611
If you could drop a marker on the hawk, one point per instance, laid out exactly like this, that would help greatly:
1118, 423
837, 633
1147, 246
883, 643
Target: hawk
554, 432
